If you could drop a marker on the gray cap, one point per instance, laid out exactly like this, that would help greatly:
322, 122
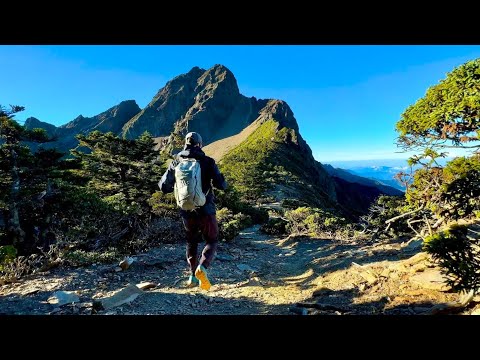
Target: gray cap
193, 138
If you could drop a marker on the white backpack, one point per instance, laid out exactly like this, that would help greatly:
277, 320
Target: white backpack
188, 184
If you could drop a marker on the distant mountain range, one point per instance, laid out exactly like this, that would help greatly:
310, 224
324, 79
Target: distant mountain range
260, 134
370, 176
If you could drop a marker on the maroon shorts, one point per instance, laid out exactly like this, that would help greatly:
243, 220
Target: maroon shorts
204, 225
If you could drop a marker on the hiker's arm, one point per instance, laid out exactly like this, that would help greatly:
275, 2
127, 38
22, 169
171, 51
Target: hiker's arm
218, 180
168, 179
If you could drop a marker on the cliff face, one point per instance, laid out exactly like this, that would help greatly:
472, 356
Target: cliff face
206, 101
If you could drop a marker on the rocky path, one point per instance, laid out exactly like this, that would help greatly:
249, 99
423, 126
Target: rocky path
254, 274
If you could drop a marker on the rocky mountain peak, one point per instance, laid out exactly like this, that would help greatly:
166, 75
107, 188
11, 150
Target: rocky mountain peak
281, 112
128, 105
216, 75
33, 122
125, 110
208, 101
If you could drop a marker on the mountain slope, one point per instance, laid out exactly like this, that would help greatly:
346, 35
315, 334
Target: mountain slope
32, 123
206, 101
348, 176
111, 120
270, 159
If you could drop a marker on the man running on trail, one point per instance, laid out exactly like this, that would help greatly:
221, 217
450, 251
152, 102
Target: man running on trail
197, 204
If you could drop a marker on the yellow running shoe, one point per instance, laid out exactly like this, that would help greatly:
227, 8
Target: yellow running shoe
201, 275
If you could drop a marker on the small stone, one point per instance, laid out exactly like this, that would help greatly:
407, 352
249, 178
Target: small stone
299, 310
418, 267
224, 257
416, 259
385, 273
371, 279
255, 281
63, 297
354, 264
245, 267
125, 263
146, 285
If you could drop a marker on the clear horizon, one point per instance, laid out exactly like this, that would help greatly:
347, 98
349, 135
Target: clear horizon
346, 99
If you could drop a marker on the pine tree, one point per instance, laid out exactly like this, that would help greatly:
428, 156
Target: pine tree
123, 172
23, 176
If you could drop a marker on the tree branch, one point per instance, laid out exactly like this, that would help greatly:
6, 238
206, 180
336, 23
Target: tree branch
403, 215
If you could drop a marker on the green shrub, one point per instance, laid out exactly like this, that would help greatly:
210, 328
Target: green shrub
383, 209
274, 226
313, 221
458, 254
292, 203
231, 199
7, 255
163, 204
231, 224
85, 258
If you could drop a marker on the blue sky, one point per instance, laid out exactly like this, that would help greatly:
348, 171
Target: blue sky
346, 99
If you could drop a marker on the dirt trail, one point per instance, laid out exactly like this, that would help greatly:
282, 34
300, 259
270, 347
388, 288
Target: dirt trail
253, 274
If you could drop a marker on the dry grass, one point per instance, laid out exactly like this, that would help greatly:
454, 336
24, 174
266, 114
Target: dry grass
220, 148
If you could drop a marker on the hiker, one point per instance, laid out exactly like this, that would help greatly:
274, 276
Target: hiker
197, 204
